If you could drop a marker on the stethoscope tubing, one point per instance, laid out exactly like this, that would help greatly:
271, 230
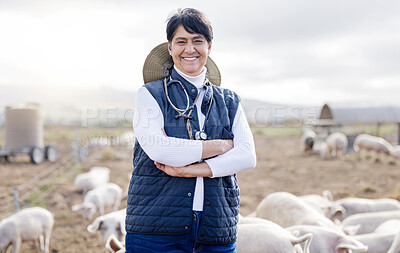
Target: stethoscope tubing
171, 81
182, 112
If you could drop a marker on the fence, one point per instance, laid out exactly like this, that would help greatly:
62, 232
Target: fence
34, 190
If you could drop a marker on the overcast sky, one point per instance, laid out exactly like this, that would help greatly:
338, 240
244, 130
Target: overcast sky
283, 51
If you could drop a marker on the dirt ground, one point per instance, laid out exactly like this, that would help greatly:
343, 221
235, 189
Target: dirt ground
280, 167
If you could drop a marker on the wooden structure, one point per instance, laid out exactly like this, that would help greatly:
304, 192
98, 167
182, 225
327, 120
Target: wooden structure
332, 117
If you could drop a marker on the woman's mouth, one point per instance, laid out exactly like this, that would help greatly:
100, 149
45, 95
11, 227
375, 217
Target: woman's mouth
189, 58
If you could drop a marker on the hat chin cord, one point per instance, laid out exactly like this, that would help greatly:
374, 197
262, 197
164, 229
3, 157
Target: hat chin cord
166, 67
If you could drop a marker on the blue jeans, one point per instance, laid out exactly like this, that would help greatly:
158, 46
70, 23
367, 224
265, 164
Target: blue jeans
137, 243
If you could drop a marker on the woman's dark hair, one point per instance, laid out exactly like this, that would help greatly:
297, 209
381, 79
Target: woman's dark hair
192, 20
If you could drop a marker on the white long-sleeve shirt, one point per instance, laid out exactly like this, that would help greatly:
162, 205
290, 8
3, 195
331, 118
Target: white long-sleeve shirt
148, 123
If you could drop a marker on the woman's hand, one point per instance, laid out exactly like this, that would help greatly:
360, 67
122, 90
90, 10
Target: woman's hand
172, 171
192, 170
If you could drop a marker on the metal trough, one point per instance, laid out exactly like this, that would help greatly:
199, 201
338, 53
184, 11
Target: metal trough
24, 135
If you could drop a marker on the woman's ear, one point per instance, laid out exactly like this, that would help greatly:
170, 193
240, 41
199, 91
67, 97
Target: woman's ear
169, 48
209, 47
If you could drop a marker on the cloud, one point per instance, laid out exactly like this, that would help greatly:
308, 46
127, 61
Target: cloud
281, 51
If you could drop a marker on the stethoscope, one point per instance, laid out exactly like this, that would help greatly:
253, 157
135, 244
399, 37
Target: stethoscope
186, 113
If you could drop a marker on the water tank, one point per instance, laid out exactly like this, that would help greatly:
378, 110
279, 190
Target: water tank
23, 127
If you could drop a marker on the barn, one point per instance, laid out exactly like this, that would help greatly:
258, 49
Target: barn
356, 120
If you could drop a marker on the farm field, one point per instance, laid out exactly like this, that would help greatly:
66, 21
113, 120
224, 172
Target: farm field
280, 167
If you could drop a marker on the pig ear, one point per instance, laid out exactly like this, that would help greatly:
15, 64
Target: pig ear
296, 233
328, 195
92, 228
351, 229
77, 207
337, 211
351, 244
113, 244
90, 206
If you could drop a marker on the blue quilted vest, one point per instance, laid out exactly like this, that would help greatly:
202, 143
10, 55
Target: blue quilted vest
161, 204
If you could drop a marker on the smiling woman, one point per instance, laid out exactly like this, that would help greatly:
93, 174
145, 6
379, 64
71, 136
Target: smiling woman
189, 51
192, 139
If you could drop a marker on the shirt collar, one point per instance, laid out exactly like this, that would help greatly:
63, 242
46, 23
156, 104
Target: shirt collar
197, 81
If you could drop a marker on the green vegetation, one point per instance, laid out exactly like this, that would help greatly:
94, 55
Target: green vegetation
34, 197
397, 194
63, 133
44, 187
381, 130
1, 136
387, 131
277, 131
108, 155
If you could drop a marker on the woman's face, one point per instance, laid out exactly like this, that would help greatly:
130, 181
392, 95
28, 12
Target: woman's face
189, 51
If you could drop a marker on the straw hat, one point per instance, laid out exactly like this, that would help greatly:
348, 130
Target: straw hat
158, 64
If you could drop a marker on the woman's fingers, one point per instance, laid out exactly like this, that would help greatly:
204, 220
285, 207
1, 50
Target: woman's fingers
159, 166
172, 171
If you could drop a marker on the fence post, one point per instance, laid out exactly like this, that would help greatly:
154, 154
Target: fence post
398, 133
76, 150
16, 198
378, 126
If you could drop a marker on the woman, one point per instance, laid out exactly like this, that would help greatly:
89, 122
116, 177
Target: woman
192, 137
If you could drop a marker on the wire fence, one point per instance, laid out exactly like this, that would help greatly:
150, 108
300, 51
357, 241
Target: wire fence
37, 188
33, 191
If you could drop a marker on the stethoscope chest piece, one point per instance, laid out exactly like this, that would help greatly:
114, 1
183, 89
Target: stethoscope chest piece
200, 135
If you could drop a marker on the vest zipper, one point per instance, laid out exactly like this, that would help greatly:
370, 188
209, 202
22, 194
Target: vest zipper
195, 218
195, 232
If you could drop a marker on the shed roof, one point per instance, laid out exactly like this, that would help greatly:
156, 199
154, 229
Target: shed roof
352, 115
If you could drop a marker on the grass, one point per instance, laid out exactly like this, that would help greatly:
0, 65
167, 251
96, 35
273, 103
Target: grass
108, 155
62, 133
275, 132
44, 187
387, 131
59, 134
2, 136
32, 198
397, 194
39, 198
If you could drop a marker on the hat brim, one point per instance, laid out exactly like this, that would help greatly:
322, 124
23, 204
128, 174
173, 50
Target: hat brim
159, 62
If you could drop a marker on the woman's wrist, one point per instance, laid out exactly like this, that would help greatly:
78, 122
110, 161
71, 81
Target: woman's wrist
199, 170
193, 170
215, 147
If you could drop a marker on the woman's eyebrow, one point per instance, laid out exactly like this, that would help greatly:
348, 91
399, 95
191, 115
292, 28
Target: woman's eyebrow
198, 37
180, 38
193, 38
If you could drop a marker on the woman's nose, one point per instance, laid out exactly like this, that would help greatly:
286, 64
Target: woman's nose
189, 48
